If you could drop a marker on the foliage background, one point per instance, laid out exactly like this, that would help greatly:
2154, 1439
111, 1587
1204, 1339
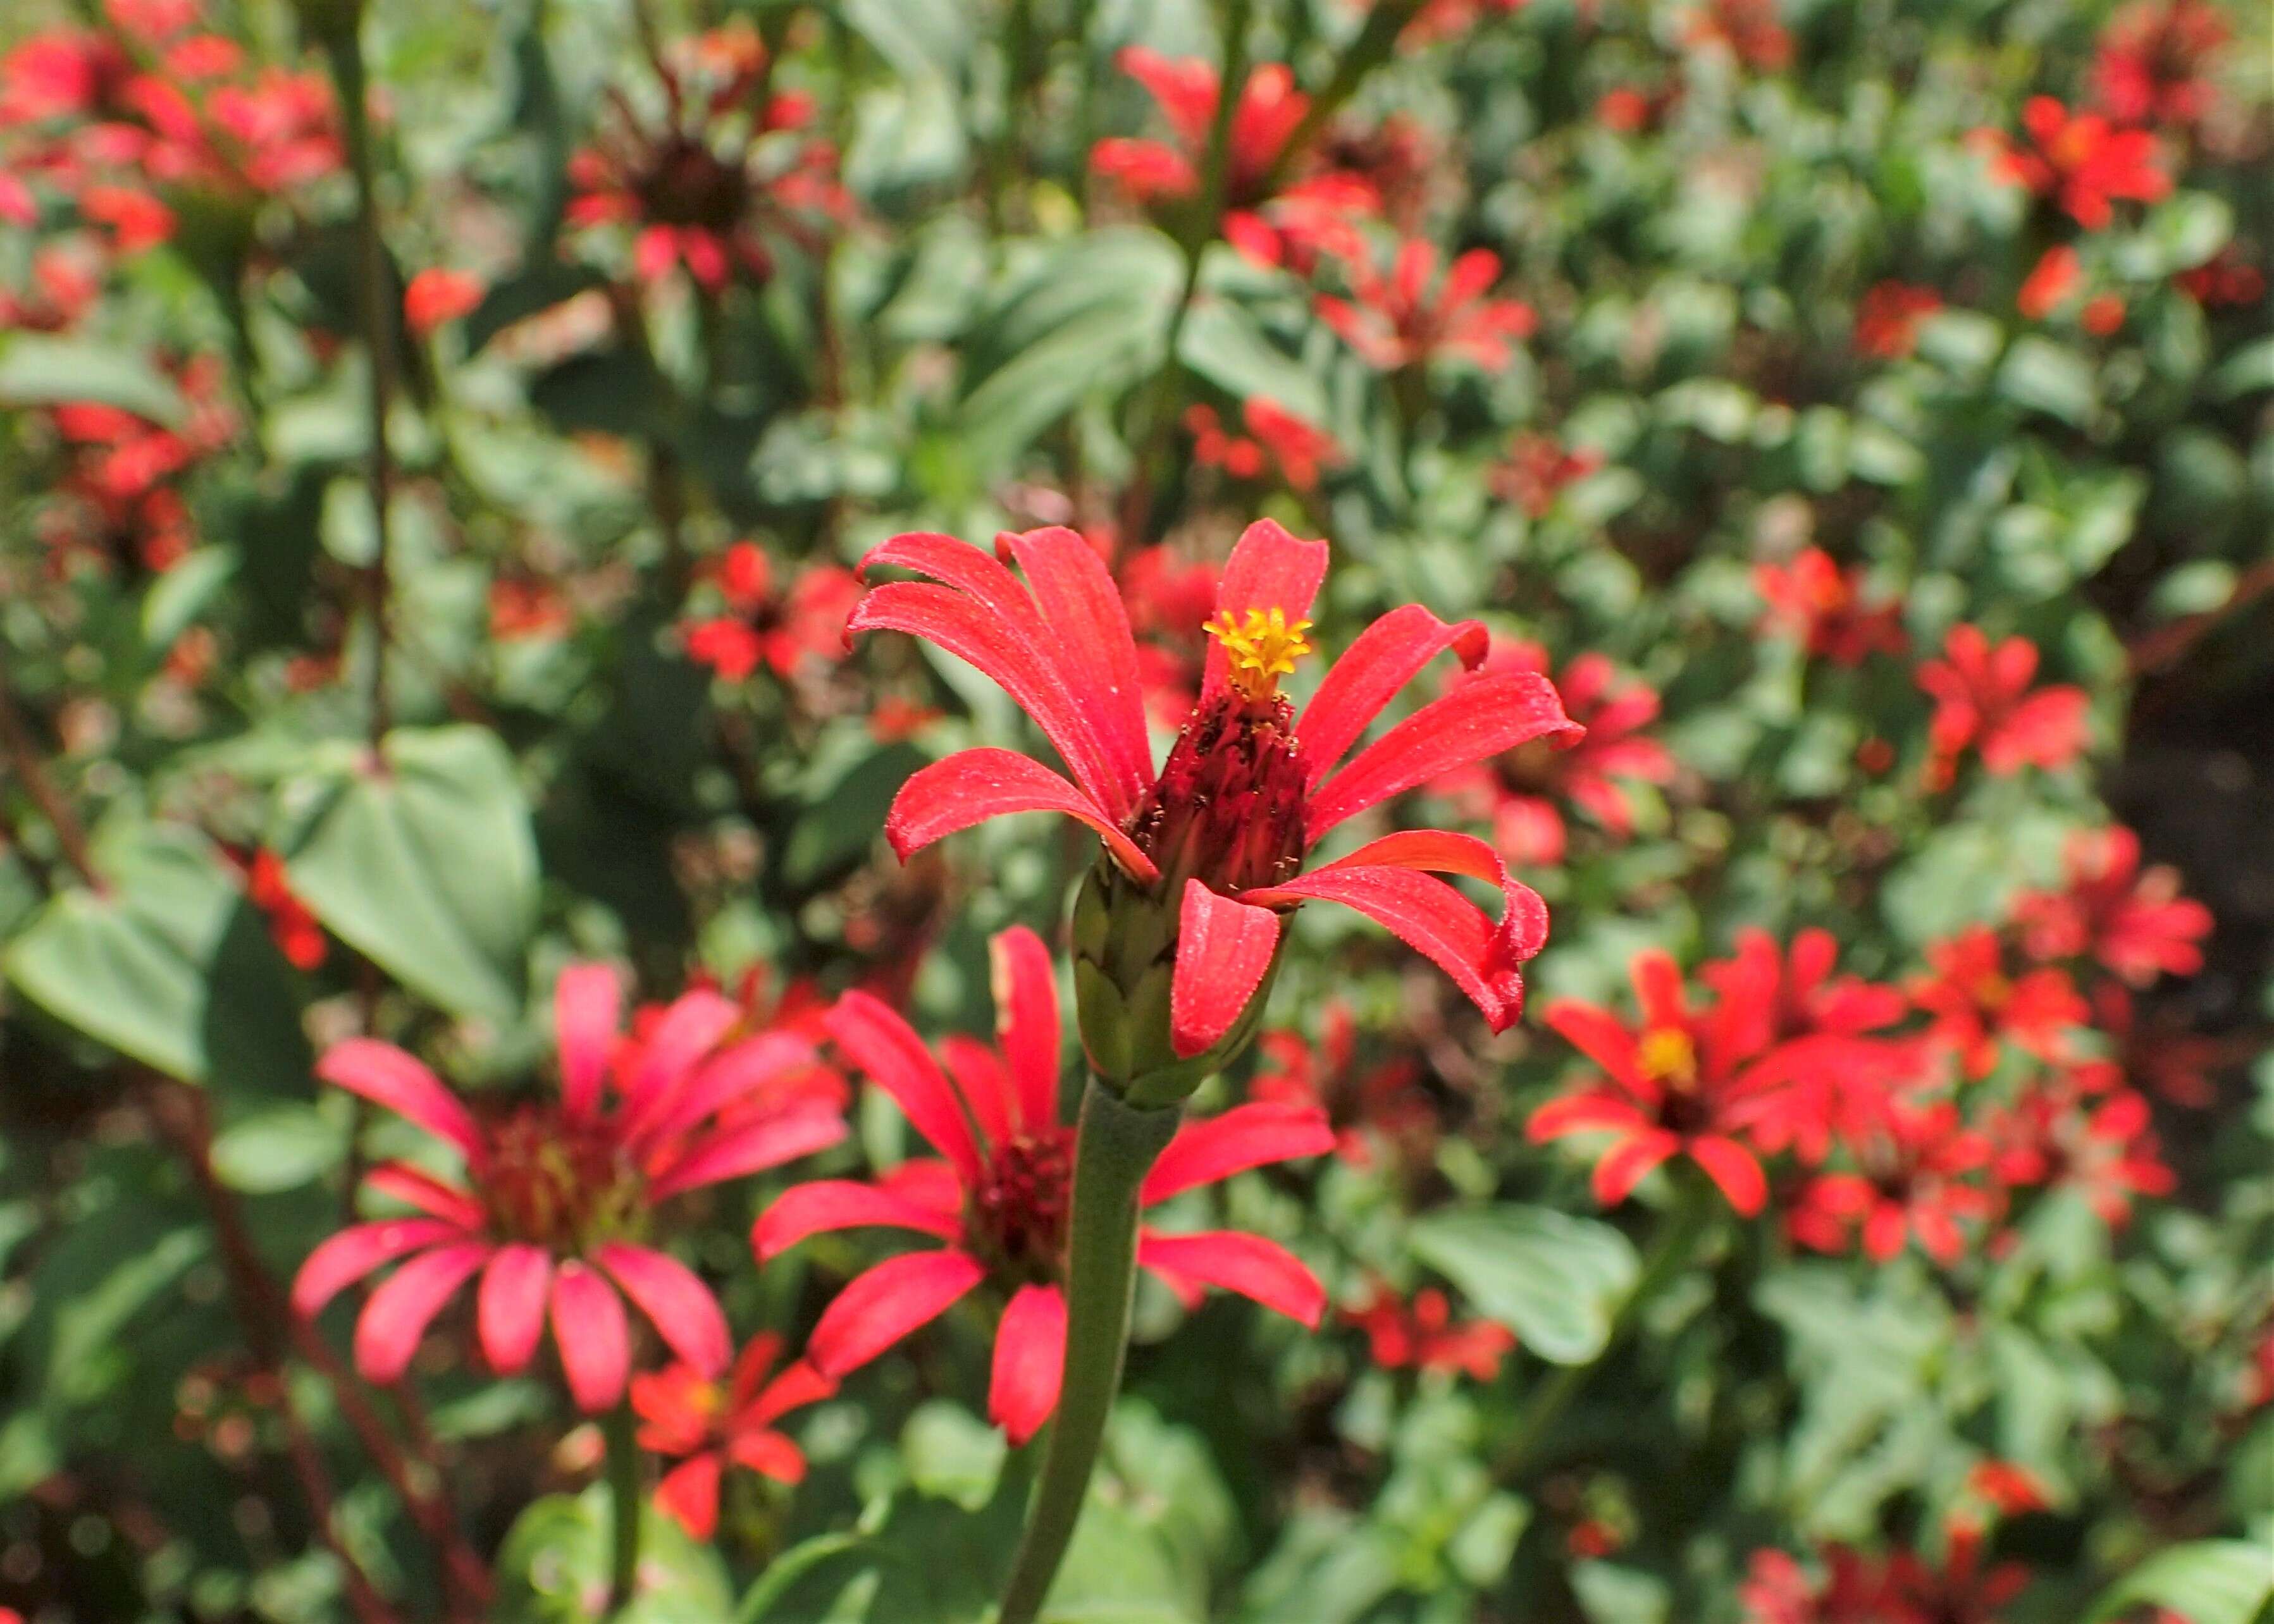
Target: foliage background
981, 332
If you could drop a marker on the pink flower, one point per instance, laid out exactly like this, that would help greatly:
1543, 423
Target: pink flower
1984, 701
997, 1196
2136, 926
1398, 319
1218, 832
688, 1416
559, 1194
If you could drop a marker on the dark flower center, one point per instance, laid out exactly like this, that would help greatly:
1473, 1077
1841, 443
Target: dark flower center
561, 1184
686, 184
1017, 1218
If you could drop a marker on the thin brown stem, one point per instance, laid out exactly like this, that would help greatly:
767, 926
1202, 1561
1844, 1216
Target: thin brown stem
30, 765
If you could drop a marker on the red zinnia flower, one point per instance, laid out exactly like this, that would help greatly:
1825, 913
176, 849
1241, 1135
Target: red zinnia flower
1916, 1162
298, 934
2081, 162
999, 1198
1219, 830
1813, 598
1887, 318
2155, 59
1186, 89
2079, 1129
1538, 469
783, 631
562, 1191
2134, 925
2226, 278
1897, 1588
1679, 1082
1397, 321
1523, 794
438, 297
1976, 1005
1384, 1101
1424, 1337
1747, 29
1983, 699
688, 1416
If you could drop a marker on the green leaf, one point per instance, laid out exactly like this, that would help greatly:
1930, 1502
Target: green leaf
1557, 1282
2206, 1581
554, 1567
168, 964
2049, 378
177, 597
1223, 343
39, 370
277, 1148
423, 862
951, 1453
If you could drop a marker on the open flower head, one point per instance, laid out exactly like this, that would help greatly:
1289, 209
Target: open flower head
997, 1196
1205, 855
556, 1212
706, 1425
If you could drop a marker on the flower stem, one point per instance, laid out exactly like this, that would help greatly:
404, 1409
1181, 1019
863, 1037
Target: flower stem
1117, 1146
624, 1500
1669, 1251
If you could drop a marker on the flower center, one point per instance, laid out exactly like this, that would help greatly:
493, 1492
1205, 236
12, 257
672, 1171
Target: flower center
1018, 1216
560, 1185
1666, 1056
1262, 647
686, 184
1993, 991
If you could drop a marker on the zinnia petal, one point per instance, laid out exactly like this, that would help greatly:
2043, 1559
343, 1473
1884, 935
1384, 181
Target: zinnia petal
509, 1309
400, 1311
1029, 1358
689, 1029
827, 1204
730, 1077
1267, 569
590, 1330
1025, 985
746, 1148
887, 1048
384, 1075
671, 1295
877, 1308
1732, 1167
1223, 947
688, 1493
1256, 1269
1624, 1167
415, 1186
1098, 655
587, 1008
347, 1256
1384, 657
1207, 1149
974, 786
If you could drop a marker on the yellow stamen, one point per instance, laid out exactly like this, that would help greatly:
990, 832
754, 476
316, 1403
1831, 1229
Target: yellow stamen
1666, 1055
1263, 648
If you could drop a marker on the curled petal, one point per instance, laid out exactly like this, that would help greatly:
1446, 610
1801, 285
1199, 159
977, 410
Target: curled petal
1029, 1357
1081, 607
1256, 1269
509, 1309
1584, 1113
971, 786
681, 1305
1267, 569
1385, 657
400, 1311
1480, 718
1254, 1135
587, 1008
880, 1307
384, 1075
349, 1256
887, 1048
1223, 947
590, 1330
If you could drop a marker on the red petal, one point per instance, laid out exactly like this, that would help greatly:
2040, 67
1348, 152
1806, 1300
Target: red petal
728, 1078
401, 1309
670, 1294
689, 1029
768, 1453
1603, 1038
417, 1187
1267, 569
688, 1493
1254, 1267
347, 1256
798, 1385
984, 1082
745, 1148
1082, 609
1029, 1358
386, 1076
971, 786
1623, 1168
1026, 1019
1732, 1166
887, 1048
587, 1007
594, 1340
1223, 947
1385, 658
510, 1310
1254, 1135
1583, 1113
1013, 651
1436, 920
878, 1308
826, 1204
1658, 987
1481, 718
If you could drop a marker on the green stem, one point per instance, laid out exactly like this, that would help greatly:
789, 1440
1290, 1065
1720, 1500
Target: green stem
624, 1503
1117, 1146
1670, 1252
